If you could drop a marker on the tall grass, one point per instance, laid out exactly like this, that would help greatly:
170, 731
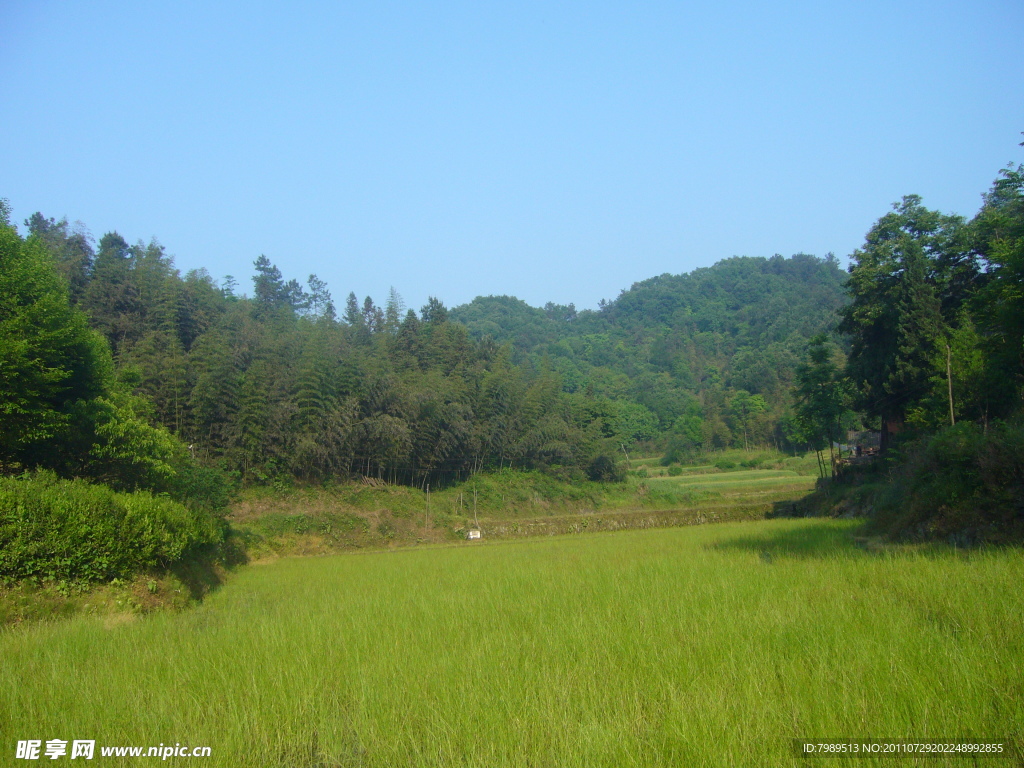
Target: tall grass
702, 646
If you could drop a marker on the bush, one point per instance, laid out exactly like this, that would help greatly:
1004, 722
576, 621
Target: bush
201, 488
680, 450
605, 469
961, 483
72, 530
675, 470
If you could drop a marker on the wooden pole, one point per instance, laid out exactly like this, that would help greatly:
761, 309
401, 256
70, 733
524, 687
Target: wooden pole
949, 380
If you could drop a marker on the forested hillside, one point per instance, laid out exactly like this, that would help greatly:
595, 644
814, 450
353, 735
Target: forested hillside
264, 388
705, 359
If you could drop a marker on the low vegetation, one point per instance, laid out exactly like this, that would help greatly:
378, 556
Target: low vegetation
64, 539
72, 531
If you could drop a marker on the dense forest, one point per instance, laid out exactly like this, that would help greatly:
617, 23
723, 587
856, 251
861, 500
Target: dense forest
116, 368
280, 385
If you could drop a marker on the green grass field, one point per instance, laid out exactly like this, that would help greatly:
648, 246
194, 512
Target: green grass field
708, 645
740, 478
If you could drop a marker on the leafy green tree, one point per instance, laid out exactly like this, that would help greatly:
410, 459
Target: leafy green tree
215, 373
319, 303
228, 286
112, 299
499, 407
894, 320
49, 358
268, 286
822, 397
126, 451
70, 246
961, 387
393, 311
634, 422
373, 316
158, 284
323, 432
745, 408
999, 229
353, 315
295, 297
162, 367
198, 305
434, 311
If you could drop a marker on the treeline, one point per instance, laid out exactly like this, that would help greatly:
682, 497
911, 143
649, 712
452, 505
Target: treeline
65, 409
278, 385
281, 384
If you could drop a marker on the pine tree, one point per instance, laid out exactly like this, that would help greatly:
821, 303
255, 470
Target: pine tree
50, 361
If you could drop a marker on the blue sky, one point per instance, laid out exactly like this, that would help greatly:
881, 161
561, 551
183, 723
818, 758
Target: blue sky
551, 151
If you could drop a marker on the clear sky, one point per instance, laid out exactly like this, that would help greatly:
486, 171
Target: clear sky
555, 151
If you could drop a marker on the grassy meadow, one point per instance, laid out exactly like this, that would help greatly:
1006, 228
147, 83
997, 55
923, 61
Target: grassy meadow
707, 645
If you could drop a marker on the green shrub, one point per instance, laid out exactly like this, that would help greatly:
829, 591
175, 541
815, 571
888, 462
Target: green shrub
72, 530
725, 464
201, 488
964, 483
605, 469
675, 470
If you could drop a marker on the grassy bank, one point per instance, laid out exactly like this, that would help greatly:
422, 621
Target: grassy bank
712, 645
510, 504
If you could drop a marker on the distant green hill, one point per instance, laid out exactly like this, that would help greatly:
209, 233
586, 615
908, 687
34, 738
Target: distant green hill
686, 348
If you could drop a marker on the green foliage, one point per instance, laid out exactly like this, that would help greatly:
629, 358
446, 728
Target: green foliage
127, 452
634, 422
999, 229
682, 346
964, 483
49, 359
605, 469
71, 530
894, 321
277, 388
822, 398
62, 406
